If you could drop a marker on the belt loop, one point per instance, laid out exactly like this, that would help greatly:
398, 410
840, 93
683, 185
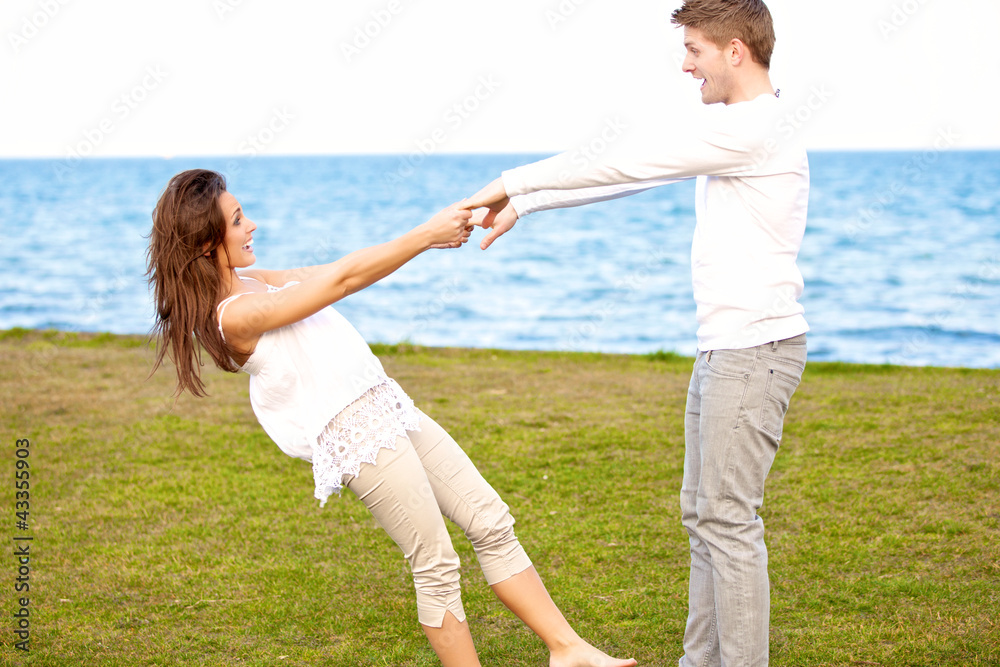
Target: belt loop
774, 346
708, 356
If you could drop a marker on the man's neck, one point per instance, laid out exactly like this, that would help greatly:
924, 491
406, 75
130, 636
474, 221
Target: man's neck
752, 88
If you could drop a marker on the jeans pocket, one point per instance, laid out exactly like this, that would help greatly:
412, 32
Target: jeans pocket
732, 363
777, 395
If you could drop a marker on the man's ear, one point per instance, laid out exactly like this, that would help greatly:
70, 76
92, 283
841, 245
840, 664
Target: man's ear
737, 52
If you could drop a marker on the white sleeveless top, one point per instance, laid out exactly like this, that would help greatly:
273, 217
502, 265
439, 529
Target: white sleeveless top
322, 396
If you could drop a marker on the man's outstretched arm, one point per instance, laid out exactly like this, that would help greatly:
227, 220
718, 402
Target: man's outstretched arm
503, 212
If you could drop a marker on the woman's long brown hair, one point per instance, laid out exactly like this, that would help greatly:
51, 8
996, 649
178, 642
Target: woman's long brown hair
188, 232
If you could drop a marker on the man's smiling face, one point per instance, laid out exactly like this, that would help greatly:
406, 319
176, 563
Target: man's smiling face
704, 60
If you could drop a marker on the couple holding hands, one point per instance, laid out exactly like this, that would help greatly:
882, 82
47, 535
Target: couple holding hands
321, 395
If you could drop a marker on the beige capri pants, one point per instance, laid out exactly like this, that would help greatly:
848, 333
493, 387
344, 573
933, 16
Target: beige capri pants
408, 490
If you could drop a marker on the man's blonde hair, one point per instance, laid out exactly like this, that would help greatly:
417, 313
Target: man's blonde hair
725, 20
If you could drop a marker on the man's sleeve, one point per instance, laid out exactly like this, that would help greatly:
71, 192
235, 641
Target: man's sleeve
682, 153
544, 200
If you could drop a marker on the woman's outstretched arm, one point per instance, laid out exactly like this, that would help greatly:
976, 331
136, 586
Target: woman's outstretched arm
319, 286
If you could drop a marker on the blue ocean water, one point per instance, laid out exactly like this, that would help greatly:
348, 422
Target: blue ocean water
901, 257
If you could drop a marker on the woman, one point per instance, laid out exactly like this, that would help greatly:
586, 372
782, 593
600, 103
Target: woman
322, 396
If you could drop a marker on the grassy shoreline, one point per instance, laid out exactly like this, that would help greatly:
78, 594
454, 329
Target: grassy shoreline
177, 533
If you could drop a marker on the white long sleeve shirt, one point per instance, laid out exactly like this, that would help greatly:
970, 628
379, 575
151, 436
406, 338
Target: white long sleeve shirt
751, 200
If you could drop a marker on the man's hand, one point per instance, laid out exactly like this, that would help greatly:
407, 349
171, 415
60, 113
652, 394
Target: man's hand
492, 194
499, 217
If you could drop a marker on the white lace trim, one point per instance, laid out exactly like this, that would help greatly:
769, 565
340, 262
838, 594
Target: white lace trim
358, 432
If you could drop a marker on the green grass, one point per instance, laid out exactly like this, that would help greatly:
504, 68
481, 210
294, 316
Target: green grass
178, 534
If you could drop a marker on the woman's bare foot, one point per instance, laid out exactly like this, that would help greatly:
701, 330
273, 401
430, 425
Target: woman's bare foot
585, 655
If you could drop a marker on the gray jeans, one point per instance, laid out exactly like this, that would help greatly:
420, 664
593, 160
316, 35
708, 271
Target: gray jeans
735, 409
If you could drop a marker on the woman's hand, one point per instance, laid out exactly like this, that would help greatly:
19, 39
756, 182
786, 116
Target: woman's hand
450, 227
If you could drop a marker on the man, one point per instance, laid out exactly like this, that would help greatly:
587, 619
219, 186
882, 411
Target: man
752, 193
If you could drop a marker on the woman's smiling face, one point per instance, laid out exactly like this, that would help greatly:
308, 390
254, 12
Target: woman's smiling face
238, 252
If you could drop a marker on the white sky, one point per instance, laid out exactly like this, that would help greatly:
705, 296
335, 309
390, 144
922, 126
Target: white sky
229, 77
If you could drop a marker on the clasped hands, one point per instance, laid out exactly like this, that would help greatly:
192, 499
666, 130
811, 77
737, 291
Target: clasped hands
497, 214
490, 208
